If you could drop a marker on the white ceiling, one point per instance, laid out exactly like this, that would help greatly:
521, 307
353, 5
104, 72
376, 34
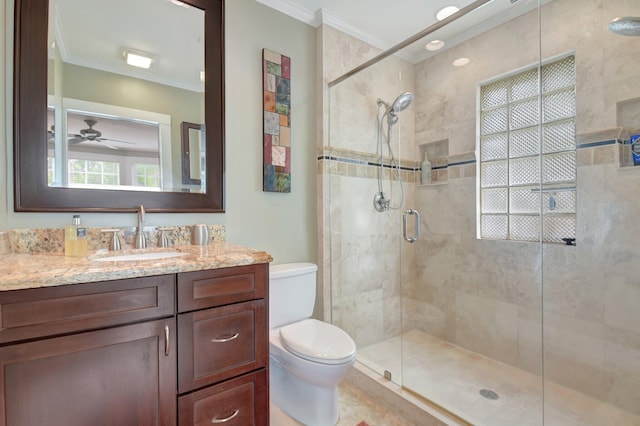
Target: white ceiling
384, 24
95, 33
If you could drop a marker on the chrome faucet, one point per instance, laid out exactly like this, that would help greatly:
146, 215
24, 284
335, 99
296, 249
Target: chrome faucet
141, 241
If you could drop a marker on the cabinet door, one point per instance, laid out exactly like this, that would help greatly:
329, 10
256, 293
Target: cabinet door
119, 376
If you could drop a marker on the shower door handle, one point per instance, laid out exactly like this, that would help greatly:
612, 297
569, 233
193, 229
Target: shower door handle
416, 217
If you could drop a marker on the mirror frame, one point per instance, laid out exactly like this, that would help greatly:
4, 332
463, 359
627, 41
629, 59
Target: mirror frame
31, 191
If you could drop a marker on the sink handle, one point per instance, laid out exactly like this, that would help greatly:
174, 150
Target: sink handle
115, 244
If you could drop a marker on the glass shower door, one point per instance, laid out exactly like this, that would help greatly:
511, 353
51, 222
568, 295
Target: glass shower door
472, 294
364, 242
591, 333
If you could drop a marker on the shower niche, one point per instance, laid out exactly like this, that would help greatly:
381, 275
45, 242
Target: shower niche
628, 122
434, 162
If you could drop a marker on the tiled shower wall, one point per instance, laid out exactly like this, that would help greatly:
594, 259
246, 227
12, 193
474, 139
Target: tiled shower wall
492, 296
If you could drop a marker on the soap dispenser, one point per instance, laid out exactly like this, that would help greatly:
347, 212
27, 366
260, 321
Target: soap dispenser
75, 238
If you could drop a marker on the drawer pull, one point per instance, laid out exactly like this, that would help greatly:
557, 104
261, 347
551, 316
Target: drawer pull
225, 339
226, 419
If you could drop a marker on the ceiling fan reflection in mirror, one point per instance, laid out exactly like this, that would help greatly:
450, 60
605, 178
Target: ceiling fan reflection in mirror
93, 135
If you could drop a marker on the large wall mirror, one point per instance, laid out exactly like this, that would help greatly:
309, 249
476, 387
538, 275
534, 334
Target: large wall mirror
102, 89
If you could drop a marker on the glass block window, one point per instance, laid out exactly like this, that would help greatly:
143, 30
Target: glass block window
147, 175
87, 172
527, 155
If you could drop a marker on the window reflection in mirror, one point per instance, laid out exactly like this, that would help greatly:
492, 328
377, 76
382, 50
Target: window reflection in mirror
87, 64
106, 152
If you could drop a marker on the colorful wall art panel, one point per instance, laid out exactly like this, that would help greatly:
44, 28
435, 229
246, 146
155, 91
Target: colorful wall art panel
276, 83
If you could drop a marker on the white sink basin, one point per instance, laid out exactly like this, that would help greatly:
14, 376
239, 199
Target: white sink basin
141, 256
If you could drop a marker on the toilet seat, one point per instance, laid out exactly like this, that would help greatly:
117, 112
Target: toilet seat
318, 341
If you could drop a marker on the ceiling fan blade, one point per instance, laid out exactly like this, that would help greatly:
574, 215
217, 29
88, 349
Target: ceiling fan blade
115, 140
110, 146
76, 139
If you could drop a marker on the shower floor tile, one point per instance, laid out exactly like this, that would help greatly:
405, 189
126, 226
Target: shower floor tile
452, 377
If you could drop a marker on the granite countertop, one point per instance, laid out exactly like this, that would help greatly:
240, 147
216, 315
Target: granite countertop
20, 271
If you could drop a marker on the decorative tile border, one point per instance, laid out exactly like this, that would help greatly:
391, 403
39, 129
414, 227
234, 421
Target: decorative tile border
342, 162
593, 148
606, 146
365, 165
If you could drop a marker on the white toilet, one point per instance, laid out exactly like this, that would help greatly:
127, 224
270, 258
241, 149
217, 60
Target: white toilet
307, 357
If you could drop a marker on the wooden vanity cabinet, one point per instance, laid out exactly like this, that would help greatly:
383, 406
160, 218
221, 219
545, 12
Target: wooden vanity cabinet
89, 354
127, 352
223, 353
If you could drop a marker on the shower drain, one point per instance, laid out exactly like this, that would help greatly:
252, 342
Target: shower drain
489, 394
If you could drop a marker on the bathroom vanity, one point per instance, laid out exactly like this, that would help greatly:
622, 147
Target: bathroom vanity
169, 341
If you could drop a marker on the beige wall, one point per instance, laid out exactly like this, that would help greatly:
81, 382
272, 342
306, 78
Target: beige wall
282, 224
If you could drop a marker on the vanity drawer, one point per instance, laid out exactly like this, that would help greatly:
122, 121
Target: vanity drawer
241, 401
219, 343
217, 287
31, 313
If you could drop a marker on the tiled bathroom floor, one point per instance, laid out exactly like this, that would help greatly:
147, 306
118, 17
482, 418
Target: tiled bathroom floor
355, 407
452, 377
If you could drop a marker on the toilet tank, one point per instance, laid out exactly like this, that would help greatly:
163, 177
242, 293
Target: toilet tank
292, 292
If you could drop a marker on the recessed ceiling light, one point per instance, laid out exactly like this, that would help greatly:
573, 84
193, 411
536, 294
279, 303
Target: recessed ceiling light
434, 45
461, 62
446, 11
138, 59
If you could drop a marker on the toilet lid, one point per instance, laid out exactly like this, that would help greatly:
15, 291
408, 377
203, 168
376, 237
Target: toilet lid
318, 341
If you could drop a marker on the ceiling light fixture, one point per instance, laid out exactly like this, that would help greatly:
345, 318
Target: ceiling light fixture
138, 59
179, 3
446, 11
434, 45
461, 62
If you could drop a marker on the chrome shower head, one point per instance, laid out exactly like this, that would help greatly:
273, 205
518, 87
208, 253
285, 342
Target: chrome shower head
627, 26
402, 102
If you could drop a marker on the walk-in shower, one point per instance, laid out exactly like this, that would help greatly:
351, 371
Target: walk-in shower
482, 317
382, 200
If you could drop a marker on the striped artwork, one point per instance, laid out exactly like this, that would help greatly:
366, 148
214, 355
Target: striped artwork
276, 82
